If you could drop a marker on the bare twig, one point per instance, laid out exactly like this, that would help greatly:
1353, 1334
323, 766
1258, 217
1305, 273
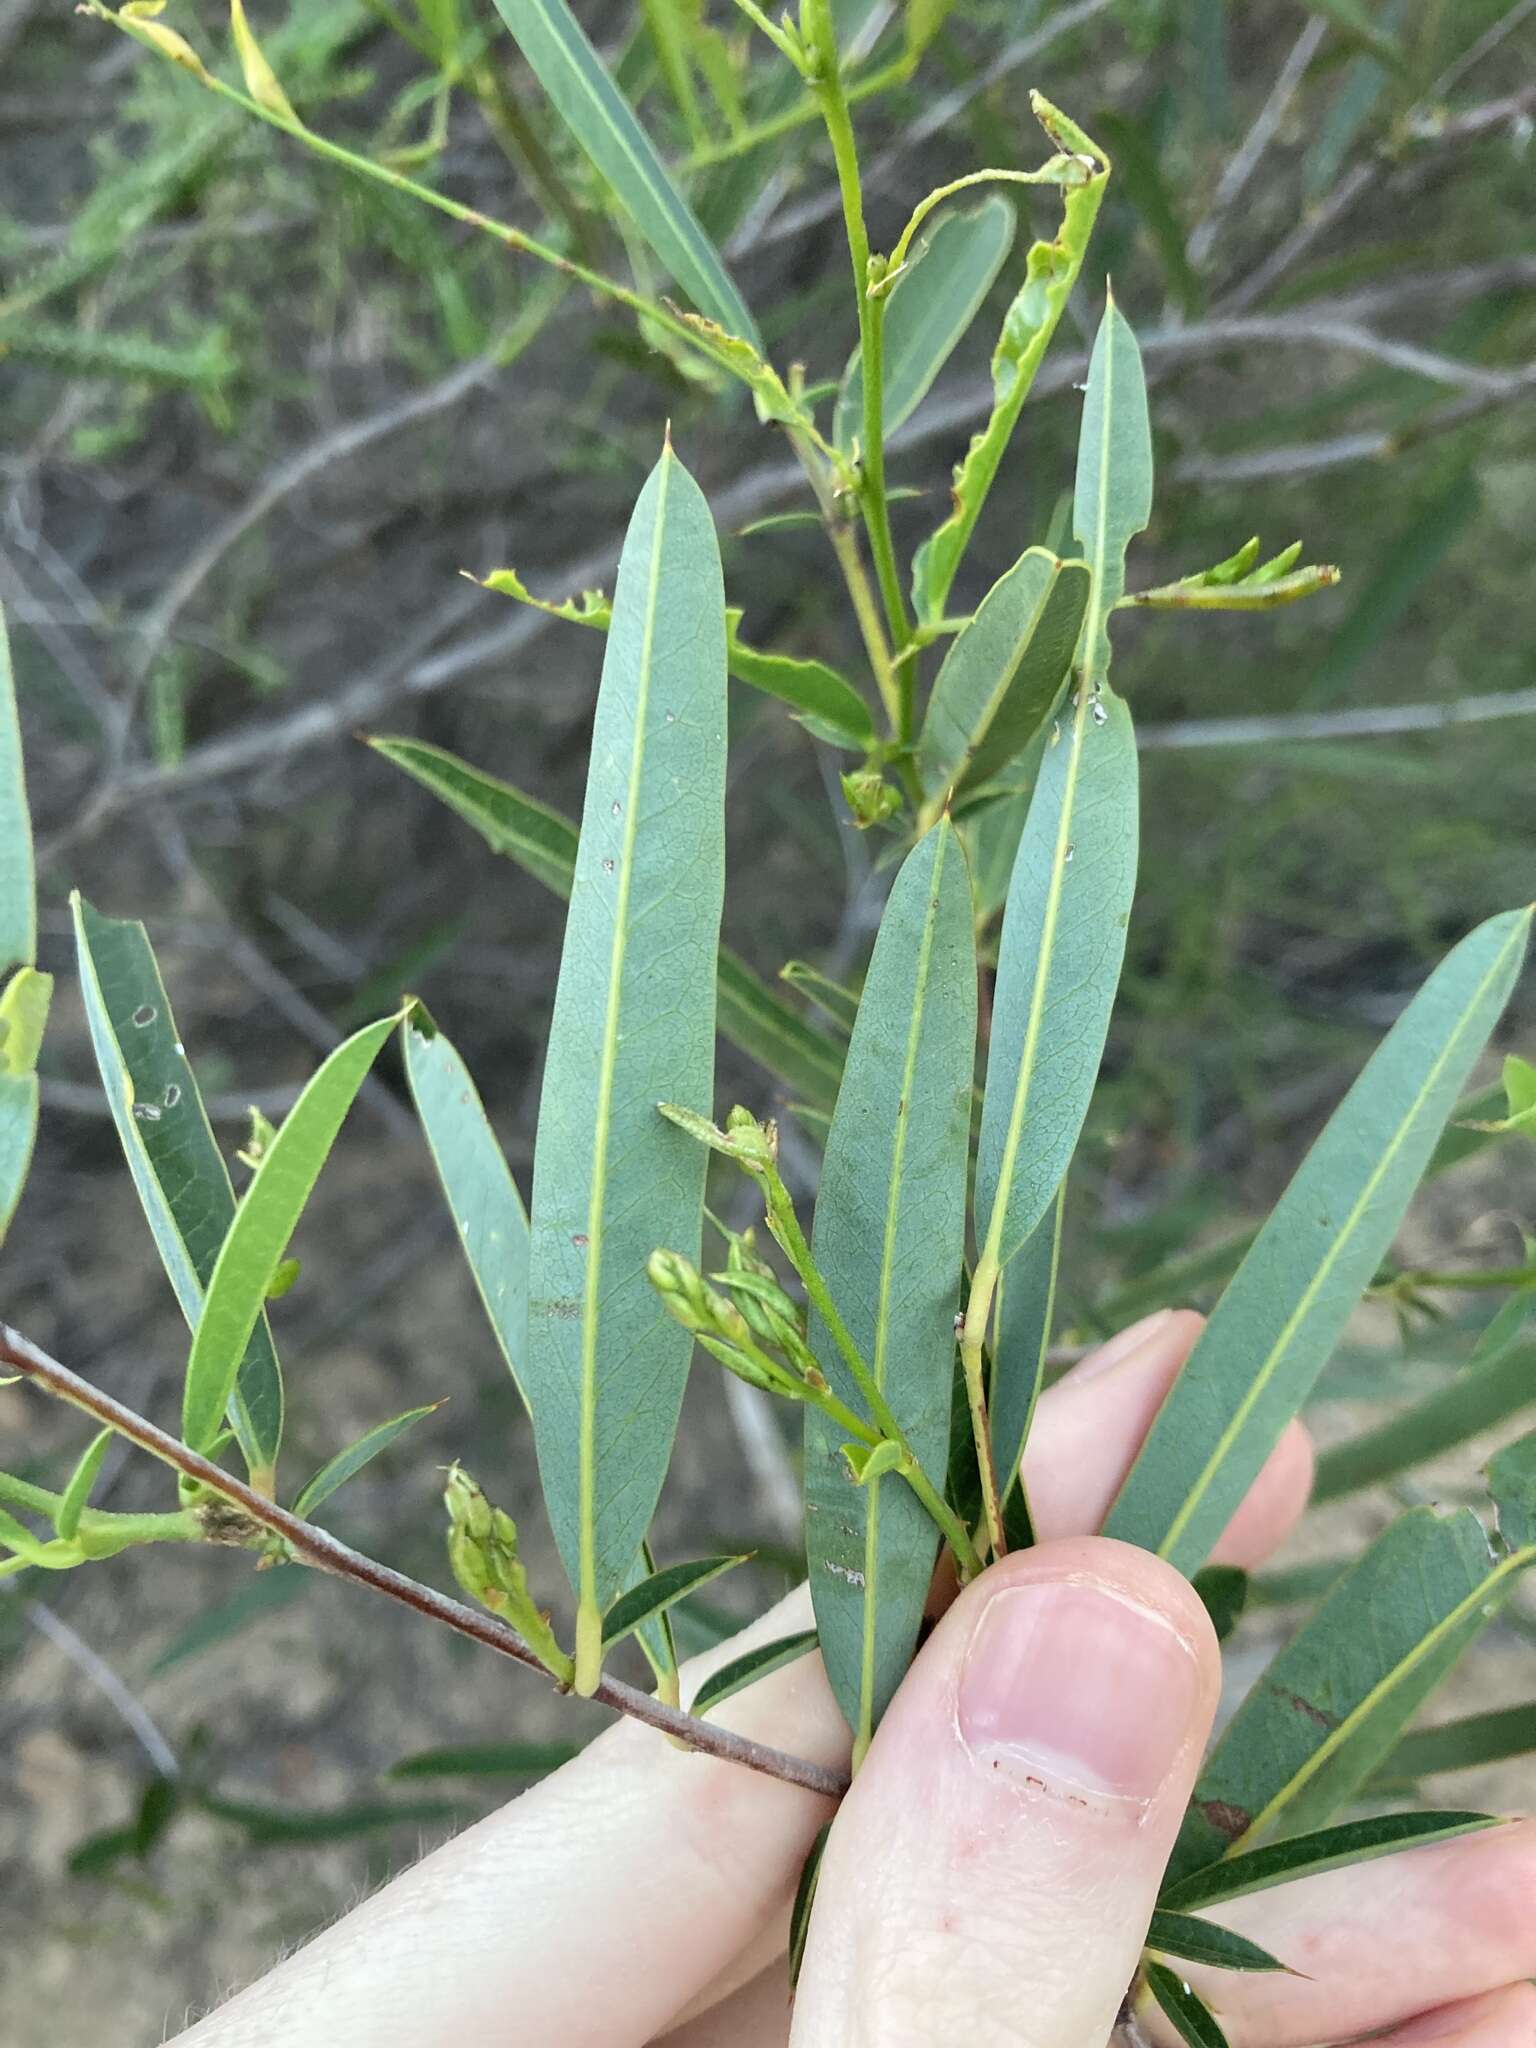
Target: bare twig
1245, 160
1483, 47
1376, 721
106, 1681
1512, 109
324, 1552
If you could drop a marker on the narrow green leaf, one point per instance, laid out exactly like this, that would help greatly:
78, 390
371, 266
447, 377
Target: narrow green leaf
1050, 272
752, 1665
1203, 1941
804, 1903
1512, 1484
586, 99
263, 1224
889, 1240
841, 1004
482, 1196
1355, 1841
1474, 1401
654, 1595
78, 1492
177, 1168
827, 702
1335, 1700
1223, 1590
1285, 1309
521, 1760
23, 1017
1191, 2018
1063, 941
18, 890
1023, 1314
1112, 500
939, 293
634, 1025
1463, 1745
261, 1595
16, 1537
1004, 672
335, 1472
266, 1827
543, 843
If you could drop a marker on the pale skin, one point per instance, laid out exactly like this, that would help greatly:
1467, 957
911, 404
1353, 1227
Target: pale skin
991, 1874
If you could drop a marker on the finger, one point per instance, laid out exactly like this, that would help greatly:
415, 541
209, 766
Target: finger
991, 1874
1381, 1943
1498, 2019
1090, 1426
754, 2015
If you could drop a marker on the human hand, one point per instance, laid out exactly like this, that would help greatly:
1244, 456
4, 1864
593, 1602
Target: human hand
992, 1871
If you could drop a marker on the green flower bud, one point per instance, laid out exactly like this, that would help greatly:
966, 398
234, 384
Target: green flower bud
871, 799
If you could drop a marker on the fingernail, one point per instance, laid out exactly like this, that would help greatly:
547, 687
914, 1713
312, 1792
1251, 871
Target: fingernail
1089, 1367
1072, 1685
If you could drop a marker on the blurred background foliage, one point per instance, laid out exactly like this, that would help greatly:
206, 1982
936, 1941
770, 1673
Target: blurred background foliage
257, 417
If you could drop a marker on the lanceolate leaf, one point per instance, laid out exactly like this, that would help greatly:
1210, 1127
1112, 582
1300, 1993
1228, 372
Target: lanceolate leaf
633, 1026
1003, 673
487, 1760
348, 1463
263, 1224
1335, 1700
492, 1223
177, 1167
1285, 1308
23, 1015
589, 103
1069, 904
1203, 1941
938, 295
1460, 1746
889, 1240
1191, 2018
805, 1904
1050, 273
78, 1492
1306, 1855
660, 1591
24, 1004
1022, 1318
827, 702
1112, 501
752, 1665
543, 843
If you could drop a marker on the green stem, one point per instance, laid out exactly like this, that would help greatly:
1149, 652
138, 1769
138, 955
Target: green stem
973, 1337
785, 1225
800, 115
829, 90
1518, 1277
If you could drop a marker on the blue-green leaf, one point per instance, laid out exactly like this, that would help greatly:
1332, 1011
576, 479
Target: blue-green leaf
1064, 928
1024, 1308
1004, 672
24, 1004
1285, 1308
938, 295
1204, 1941
1112, 501
591, 106
486, 1207
18, 890
748, 1668
633, 1026
1192, 2019
889, 1239
346, 1464
1356, 1841
264, 1222
178, 1170
661, 1590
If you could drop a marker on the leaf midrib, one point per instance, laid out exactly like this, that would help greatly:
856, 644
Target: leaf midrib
1260, 1382
587, 1449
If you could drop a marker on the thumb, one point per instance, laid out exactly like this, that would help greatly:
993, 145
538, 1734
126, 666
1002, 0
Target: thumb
992, 1872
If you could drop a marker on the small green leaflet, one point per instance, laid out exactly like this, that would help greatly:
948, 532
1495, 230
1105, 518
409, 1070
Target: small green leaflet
827, 702
805, 1903
346, 1464
264, 1222
752, 1665
1004, 673
1203, 1941
1191, 2018
177, 1168
1112, 501
482, 1196
1336, 1698
78, 1492
1307, 1855
634, 1025
1064, 929
543, 843
586, 99
1285, 1308
889, 1239
1050, 272
941, 289
654, 1595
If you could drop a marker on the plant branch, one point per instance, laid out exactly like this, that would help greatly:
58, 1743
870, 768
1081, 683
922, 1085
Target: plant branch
324, 1552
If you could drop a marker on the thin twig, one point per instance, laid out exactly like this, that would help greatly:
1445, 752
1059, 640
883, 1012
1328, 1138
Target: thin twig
1245, 160
106, 1681
1370, 722
317, 1547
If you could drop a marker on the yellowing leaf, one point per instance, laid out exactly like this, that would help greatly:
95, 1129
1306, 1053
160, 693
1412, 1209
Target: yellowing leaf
260, 79
138, 18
